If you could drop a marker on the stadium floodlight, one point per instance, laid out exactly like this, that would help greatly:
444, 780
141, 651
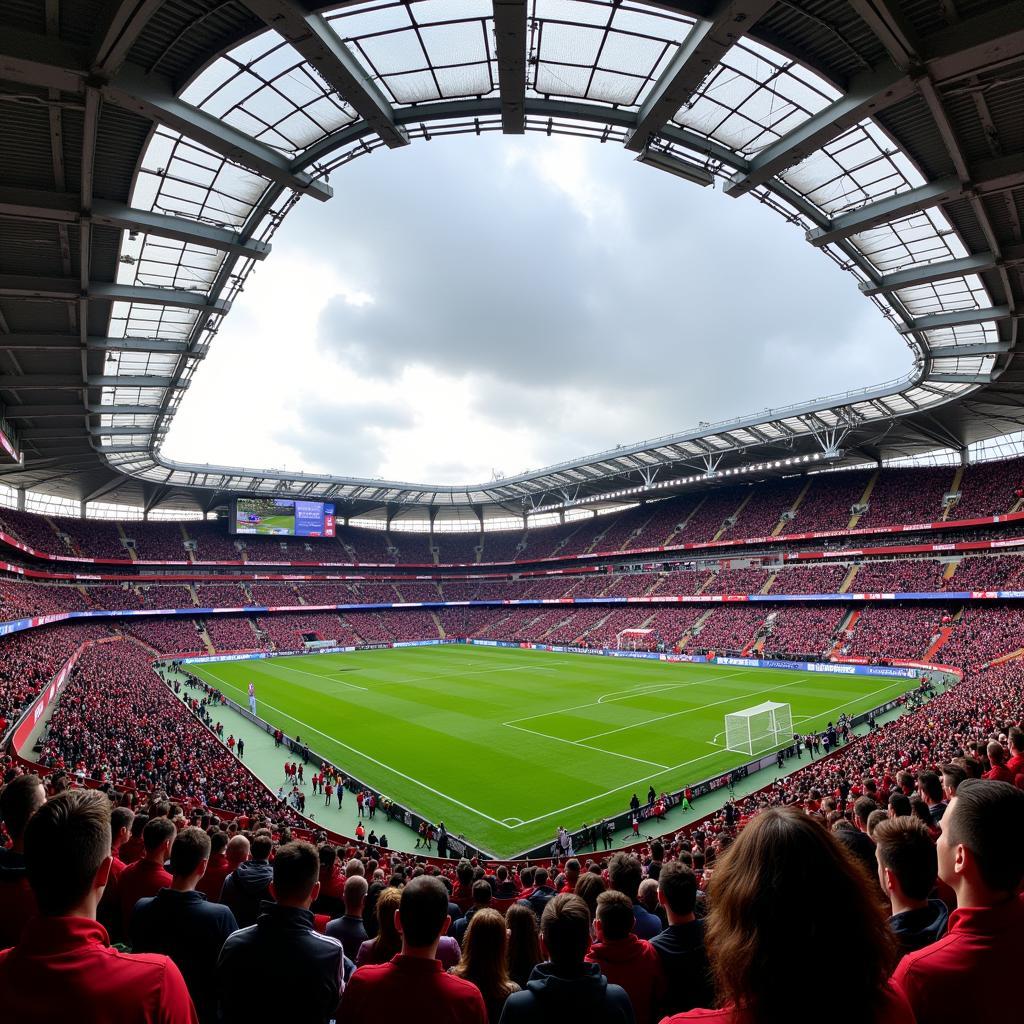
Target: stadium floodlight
758, 729
673, 165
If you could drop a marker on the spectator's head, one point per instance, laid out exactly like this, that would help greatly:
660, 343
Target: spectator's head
614, 916
565, 930
952, 775
138, 824
355, 895
502, 873
67, 853
261, 845
1015, 739
625, 874
979, 850
237, 851
907, 865
764, 889
524, 951
218, 843
423, 914
464, 872
572, 871
862, 808
354, 867
930, 787
157, 837
120, 826
481, 893
647, 897
677, 891
589, 887
190, 854
19, 800
296, 875
484, 954
996, 754
875, 818
540, 877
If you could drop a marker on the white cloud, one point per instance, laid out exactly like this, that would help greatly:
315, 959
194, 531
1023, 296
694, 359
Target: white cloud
482, 305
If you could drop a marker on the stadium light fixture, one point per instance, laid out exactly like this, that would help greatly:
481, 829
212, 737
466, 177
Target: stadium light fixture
693, 173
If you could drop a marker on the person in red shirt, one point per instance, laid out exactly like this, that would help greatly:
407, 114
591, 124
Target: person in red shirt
997, 758
767, 896
571, 875
965, 974
217, 869
63, 968
625, 960
19, 800
1015, 766
146, 877
413, 985
134, 848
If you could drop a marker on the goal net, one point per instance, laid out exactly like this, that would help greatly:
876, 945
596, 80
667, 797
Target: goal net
757, 729
635, 639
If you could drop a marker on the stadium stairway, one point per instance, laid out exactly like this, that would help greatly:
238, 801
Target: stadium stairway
781, 524
437, 622
850, 576
207, 642
954, 488
864, 498
938, 643
735, 516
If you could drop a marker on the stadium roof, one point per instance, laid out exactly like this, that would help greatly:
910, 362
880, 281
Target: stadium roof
149, 149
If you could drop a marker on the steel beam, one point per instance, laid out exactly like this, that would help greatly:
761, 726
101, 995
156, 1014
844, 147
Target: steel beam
701, 50
45, 62
43, 412
63, 289
153, 97
121, 410
980, 348
928, 273
315, 40
66, 382
120, 29
958, 318
63, 208
869, 93
969, 46
510, 39
885, 210
960, 378
72, 343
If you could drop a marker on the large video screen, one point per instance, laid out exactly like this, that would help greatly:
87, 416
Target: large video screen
282, 517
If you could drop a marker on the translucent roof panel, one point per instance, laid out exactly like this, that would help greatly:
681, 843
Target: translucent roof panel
858, 167
924, 237
752, 98
266, 89
944, 296
141, 320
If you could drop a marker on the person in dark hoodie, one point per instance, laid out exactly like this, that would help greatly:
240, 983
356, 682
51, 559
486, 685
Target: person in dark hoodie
907, 869
281, 969
19, 800
249, 884
565, 987
180, 923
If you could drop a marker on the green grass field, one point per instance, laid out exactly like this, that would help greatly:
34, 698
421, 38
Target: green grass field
504, 745
271, 523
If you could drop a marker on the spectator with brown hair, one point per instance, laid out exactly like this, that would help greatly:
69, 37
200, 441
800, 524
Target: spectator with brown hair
566, 987
178, 922
484, 960
524, 952
624, 959
63, 968
907, 868
282, 946
412, 985
681, 944
19, 800
625, 874
966, 973
765, 890
147, 876
218, 867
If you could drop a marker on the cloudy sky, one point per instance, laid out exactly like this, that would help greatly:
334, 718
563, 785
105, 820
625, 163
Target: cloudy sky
478, 305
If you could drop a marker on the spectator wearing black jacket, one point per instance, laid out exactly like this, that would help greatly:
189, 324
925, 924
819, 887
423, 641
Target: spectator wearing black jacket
543, 892
681, 944
180, 923
281, 968
248, 885
349, 929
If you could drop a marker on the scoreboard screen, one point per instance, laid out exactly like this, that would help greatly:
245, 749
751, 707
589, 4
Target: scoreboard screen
282, 517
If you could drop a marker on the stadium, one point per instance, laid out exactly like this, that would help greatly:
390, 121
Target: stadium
681, 700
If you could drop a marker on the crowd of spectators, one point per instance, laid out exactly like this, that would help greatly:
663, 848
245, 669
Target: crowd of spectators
805, 630
236, 633
899, 576
729, 627
895, 631
176, 635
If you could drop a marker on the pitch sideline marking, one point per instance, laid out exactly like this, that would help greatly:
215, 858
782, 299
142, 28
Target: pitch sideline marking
322, 678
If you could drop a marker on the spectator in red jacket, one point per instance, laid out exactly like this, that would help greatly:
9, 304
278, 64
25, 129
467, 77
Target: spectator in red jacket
997, 758
63, 968
626, 960
19, 800
413, 985
965, 975
767, 920
146, 877
218, 868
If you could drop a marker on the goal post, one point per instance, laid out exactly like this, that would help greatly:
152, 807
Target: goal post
758, 729
633, 639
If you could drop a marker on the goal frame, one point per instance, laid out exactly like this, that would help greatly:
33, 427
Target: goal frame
634, 630
744, 733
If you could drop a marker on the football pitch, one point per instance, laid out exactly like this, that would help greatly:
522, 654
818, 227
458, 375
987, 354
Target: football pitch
504, 745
